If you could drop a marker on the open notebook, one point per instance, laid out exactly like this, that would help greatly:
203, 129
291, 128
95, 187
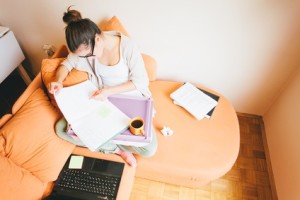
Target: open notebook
94, 122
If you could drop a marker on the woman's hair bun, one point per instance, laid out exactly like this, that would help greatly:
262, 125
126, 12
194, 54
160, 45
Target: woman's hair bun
71, 16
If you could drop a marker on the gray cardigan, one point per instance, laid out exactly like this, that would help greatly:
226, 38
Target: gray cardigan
130, 54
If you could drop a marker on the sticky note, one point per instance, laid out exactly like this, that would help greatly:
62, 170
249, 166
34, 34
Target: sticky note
76, 162
104, 111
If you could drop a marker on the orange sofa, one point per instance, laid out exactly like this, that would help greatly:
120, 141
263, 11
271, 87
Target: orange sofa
31, 155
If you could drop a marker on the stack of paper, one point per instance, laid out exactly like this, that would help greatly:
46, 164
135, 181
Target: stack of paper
193, 100
95, 122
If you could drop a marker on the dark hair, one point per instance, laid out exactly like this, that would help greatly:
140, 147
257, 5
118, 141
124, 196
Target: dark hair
79, 31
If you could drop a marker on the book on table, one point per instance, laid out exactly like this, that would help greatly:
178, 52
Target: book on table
94, 122
215, 97
195, 101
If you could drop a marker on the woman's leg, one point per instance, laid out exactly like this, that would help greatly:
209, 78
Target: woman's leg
124, 151
61, 127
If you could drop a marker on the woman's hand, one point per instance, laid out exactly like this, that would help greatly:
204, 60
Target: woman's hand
55, 87
101, 94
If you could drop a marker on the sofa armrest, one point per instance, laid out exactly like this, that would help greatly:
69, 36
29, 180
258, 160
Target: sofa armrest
4, 119
36, 83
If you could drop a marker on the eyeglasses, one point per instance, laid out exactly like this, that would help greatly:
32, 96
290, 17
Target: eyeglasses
92, 50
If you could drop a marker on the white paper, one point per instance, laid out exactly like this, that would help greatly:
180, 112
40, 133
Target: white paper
94, 121
193, 100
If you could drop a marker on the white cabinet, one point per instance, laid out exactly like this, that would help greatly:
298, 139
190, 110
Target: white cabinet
11, 55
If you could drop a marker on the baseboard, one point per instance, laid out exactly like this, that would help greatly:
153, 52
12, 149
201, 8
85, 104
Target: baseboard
268, 160
267, 153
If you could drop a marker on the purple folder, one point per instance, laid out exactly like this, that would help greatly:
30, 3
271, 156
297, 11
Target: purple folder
134, 106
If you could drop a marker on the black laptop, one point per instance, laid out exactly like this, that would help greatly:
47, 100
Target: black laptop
85, 178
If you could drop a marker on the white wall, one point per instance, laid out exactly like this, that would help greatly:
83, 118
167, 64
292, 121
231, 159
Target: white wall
283, 135
238, 48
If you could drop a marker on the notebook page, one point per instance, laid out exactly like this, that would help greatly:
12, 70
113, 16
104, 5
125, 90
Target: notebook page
94, 121
193, 100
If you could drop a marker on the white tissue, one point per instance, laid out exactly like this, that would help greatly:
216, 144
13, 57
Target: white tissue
167, 131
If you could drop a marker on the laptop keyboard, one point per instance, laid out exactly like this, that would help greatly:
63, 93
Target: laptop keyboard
85, 181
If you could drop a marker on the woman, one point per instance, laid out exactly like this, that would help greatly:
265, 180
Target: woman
114, 65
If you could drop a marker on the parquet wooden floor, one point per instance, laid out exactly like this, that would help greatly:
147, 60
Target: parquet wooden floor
247, 180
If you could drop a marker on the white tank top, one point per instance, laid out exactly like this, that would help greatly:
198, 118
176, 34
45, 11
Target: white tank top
112, 75
115, 75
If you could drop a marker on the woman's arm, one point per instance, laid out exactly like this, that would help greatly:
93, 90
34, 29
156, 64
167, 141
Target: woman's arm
55, 86
134, 60
103, 93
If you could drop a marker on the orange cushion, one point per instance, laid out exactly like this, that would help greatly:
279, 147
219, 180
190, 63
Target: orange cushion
17, 183
30, 141
151, 66
114, 24
48, 71
4, 119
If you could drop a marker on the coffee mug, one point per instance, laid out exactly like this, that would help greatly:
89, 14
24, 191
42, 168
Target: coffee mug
136, 126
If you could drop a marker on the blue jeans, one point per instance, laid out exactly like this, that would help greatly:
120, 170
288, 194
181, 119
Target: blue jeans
109, 147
